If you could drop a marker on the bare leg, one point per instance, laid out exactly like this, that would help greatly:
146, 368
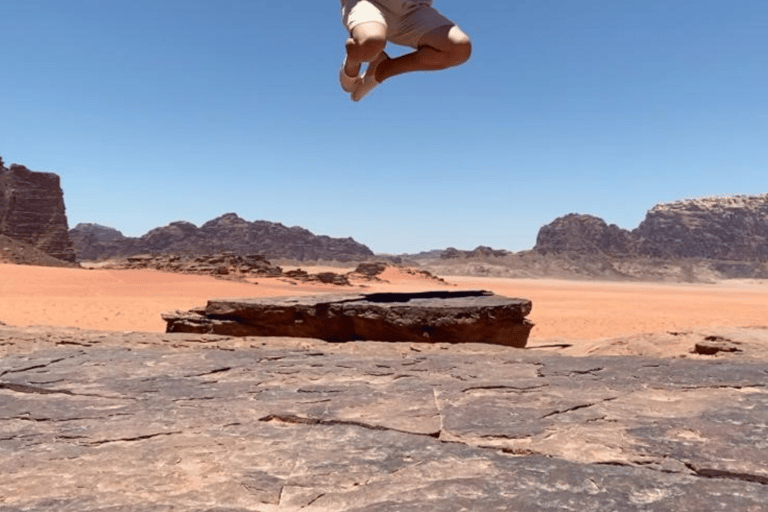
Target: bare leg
442, 48
366, 44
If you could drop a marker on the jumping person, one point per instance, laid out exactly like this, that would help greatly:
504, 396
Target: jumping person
438, 42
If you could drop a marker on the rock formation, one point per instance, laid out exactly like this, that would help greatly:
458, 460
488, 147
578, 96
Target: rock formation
425, 317
32, 211
228, 233
481, 251
731, 228
725, 237
91, 240
21, 253
584, 234
246, 267
372, 271
132, 422
226, 265
724, 228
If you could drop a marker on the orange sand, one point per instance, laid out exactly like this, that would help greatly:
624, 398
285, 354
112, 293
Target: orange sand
590, 309
132, 300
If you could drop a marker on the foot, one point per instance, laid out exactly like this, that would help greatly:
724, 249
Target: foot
348, 83
368, 81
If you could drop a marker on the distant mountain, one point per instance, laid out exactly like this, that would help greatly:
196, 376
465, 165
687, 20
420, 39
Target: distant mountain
723, 228
731, 228
481, 251
692, 240
227, 233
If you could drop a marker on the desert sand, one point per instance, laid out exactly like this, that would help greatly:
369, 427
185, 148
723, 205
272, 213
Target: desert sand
587, 315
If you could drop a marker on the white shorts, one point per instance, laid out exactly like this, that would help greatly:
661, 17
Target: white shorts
407, 21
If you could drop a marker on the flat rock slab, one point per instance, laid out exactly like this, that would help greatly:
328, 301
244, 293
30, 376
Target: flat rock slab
137, 422
431, 317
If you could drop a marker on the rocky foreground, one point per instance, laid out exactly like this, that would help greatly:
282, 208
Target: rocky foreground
105, 421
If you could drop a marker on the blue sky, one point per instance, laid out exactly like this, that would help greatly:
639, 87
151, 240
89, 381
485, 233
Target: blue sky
153, 111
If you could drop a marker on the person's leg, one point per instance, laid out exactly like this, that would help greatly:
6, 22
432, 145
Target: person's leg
441, 48
366, 43
366, 22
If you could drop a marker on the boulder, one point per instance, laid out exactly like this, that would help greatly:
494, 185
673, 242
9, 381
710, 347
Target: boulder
431, 317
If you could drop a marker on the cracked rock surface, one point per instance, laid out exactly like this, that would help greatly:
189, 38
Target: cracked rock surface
102, 421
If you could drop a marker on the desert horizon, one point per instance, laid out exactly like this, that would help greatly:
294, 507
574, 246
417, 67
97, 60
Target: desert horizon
587, 315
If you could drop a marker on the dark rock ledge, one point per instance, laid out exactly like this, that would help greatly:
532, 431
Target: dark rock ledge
431, 317
131, 422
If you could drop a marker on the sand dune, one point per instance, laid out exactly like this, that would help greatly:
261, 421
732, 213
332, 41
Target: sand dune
579, 312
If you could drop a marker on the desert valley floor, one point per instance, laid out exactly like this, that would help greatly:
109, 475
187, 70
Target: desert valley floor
589, 315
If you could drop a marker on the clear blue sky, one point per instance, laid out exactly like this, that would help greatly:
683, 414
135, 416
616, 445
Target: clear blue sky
153, 111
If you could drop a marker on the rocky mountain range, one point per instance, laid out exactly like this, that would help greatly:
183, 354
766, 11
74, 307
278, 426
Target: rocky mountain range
689, 240
717, 228
227, 233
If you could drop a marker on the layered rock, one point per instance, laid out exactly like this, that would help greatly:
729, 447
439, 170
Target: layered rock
429, 317
228, 233
32, 211
136, 422
720, 228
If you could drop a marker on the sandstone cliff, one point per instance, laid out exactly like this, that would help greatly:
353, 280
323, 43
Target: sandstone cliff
724, 228
228, 233
32, 210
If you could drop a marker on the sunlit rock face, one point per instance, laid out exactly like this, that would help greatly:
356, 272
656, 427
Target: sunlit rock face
32, 210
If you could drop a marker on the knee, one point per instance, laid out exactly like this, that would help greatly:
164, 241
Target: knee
459, 46
451, 55
366, 43
460, 51
370, 47
452, 47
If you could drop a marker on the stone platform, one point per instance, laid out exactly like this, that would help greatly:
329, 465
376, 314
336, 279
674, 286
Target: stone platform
432, 317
